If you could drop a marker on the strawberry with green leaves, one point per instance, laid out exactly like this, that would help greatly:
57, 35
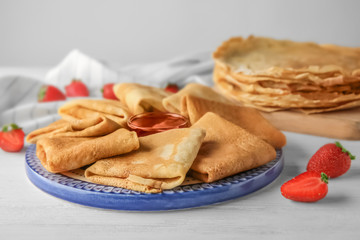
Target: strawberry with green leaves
11, 140
48, 93
332, 159
108, 92
306, 187
76, 89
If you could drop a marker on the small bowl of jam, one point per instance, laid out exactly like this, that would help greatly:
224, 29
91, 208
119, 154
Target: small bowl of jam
154, 122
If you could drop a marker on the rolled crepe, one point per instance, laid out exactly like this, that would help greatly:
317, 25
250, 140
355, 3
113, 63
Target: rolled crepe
61, 154
161, 162
62, 128
82, 113
248, 118
227, 150
140, 98
173, 102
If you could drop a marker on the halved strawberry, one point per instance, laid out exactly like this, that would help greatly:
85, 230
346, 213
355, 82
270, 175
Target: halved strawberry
76, 89
49, 93
171, 87
306, 187
332, 159
108, 91
13, 140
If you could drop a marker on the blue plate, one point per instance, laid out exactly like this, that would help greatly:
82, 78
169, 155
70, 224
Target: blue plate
189, 196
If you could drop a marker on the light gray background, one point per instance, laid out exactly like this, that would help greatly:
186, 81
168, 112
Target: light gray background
42, 32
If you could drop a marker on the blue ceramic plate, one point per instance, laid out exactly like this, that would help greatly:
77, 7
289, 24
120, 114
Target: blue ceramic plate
189, 196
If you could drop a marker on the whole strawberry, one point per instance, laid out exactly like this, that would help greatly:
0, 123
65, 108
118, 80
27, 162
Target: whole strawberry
171, 87
48, 93
332, 159
108, 92
76, 89
12, 140
306, 187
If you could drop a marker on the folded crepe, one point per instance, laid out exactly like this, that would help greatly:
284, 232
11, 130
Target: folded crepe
227, 150
61, 154
57, 127
61, 128
82, 113
248, 118
140, 98
161, 162
173, 102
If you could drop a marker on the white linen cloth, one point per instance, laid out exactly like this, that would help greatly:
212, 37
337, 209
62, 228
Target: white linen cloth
19, 93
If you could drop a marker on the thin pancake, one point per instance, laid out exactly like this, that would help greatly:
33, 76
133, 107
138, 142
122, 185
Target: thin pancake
270, 85
173, 102
82, 113
321, 100
140, 98
61, 154
161, 162
273, 75
227, 149
259, 55
248, 118
62, 128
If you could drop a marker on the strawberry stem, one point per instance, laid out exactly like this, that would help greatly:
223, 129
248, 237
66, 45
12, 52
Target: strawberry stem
42, 93
5, 128
352, 157
13, 126
324, 178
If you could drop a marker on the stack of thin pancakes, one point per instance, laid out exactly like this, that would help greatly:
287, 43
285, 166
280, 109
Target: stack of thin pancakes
223, 139
273, 75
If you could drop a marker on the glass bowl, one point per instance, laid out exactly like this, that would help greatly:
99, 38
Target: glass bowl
154, 122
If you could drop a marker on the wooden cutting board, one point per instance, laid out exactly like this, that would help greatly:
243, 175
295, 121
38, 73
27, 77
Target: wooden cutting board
340, 124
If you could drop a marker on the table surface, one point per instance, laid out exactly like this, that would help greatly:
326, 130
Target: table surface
26, 212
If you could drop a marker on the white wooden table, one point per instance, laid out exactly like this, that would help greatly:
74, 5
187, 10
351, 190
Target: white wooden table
26, 212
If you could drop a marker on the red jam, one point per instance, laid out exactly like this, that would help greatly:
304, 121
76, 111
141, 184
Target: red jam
154, 122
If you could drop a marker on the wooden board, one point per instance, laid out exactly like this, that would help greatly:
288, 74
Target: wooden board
339, 124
